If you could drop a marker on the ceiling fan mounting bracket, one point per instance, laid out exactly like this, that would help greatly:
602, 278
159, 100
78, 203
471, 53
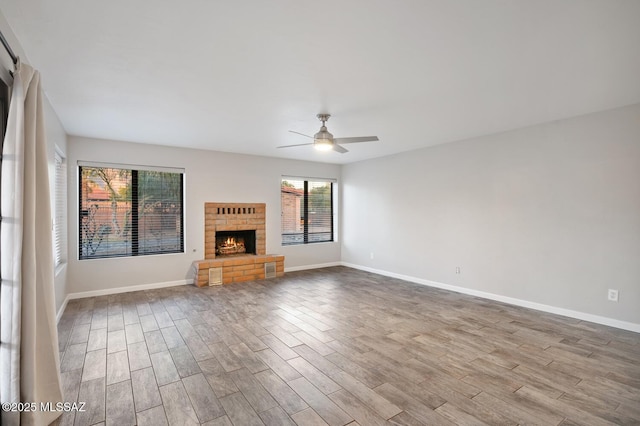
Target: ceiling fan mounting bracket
323, 117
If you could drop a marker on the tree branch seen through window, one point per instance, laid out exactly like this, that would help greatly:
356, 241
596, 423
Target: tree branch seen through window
128, 212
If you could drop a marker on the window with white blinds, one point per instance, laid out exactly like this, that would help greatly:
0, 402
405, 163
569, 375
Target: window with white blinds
132, 211
307, 211
60, 211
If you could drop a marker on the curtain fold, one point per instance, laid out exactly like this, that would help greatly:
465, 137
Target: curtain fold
29, 359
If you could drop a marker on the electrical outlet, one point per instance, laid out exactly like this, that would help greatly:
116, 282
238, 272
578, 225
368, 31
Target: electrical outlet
371, 255
612, 295
457, 269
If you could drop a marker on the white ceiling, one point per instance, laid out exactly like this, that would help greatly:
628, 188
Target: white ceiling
237, 75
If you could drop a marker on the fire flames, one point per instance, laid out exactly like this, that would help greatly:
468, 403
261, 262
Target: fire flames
231, 246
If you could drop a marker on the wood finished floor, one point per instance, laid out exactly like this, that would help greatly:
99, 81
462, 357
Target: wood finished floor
339, 346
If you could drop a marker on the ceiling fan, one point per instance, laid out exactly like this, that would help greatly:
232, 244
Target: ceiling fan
324, 141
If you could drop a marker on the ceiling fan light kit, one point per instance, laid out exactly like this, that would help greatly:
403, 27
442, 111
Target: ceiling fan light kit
324, 141
323, 145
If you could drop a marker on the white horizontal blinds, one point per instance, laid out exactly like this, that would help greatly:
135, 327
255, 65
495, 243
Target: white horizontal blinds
105, 212
310, 179
60, 209
292, 214
160, 226
307, 210
130, 212
138, 167
320, 212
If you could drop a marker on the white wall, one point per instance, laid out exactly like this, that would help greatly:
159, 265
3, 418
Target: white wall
55, 134
209, 177
548, 214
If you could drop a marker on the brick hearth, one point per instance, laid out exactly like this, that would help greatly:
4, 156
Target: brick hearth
235, 217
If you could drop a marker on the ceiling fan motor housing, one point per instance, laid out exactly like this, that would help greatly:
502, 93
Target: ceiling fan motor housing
323, 134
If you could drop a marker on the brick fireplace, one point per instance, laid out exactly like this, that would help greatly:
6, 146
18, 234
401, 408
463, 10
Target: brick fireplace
226, 217
235, 242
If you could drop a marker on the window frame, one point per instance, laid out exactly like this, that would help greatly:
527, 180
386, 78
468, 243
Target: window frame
135, 237
305, 210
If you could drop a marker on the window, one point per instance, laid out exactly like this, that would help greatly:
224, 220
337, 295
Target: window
130, 212
60, 210
307, 211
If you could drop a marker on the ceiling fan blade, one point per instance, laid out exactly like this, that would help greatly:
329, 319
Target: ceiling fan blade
356, 139
301, 134
338, 148
299, 144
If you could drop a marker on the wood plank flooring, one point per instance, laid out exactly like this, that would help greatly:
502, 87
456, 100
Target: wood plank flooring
339, 346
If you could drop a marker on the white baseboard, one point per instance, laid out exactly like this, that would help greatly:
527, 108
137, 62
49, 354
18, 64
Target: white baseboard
116, 290
62, 308
316, 266
624, 325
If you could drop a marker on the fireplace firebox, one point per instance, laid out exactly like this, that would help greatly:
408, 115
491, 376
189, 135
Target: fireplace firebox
232, 243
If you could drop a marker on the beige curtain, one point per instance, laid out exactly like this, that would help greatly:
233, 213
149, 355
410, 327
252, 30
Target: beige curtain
29, 359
